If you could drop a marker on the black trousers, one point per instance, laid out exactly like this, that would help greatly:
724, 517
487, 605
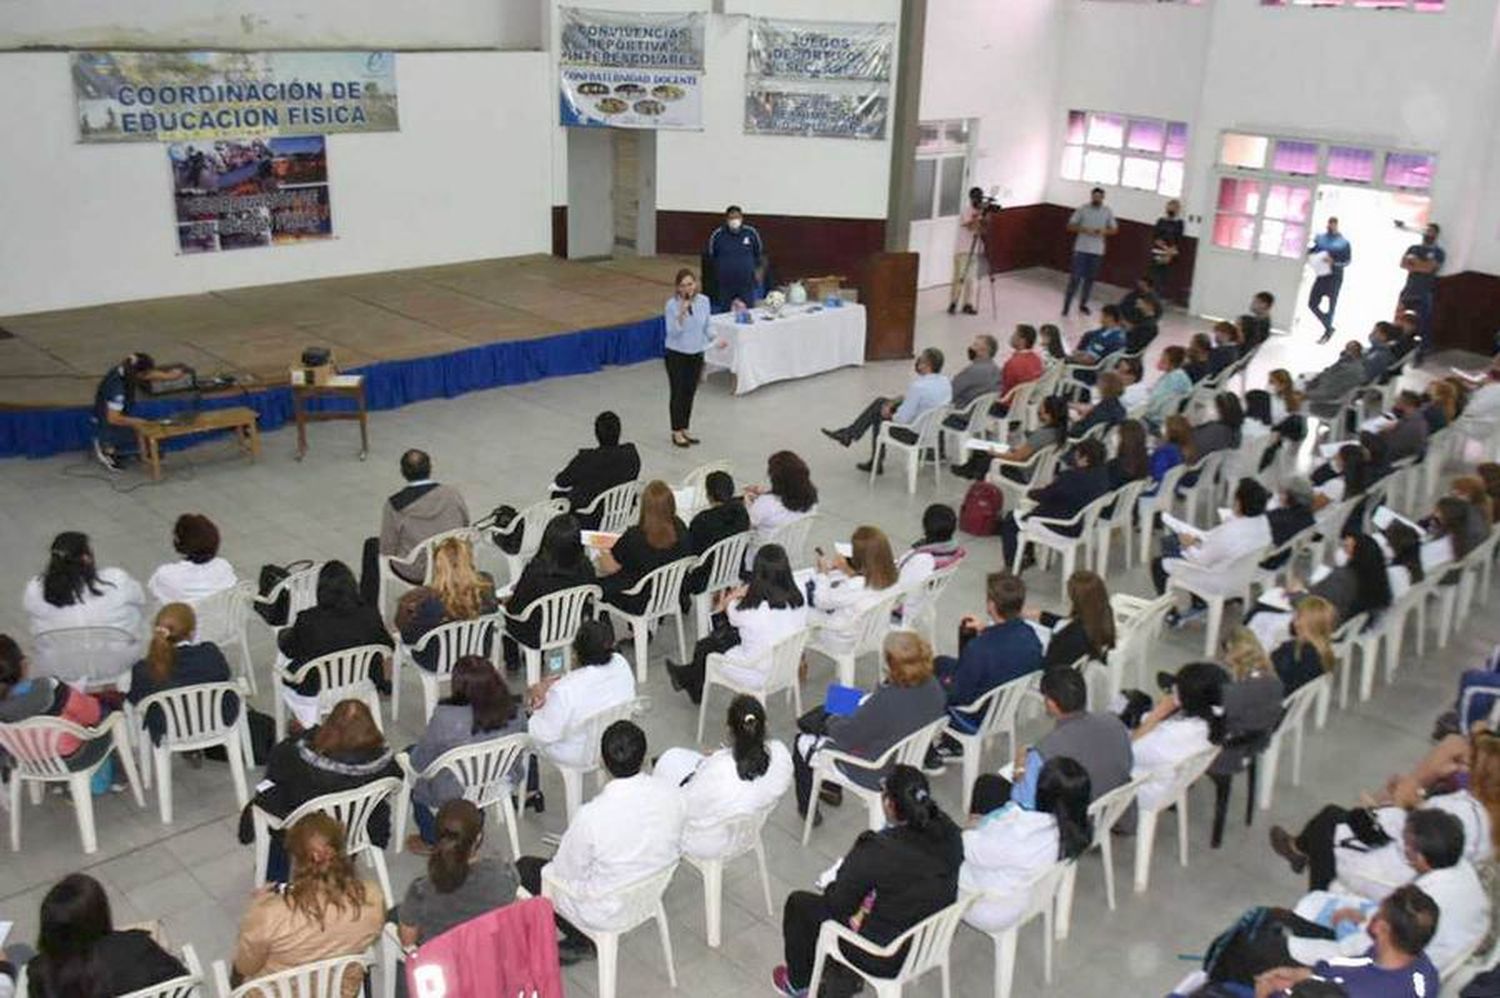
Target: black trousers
804, 914
683, 372
1251, 953
1010, 537
869, 420
529, 871
1316, 842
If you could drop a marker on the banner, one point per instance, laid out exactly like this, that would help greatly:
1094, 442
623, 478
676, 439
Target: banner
237, 193
202, 96
620, 69
821, 79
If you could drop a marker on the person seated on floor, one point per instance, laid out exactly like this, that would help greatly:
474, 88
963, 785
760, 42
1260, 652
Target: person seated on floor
1013, 845
594, 470
1226, 349
24, 696
1394, 965
657, 538
459, 591
1223, 432
80, 953
560, 563
929, 390
1106, 412
790, 496
1307, 654
1255, 325
1326, 391
1088, 631
1061, 499
561, 705
462, 882
1099, 742
174, 660
630, 829
889, 881
1134, 392
73, 592
1361, 847
323, 911
844, 588
935, 551
420, 510
1198, 349
480, 708
908, 698
346, 751
1141, 332
1360, 584
1051, 429
760, 614
338, 621
988, 656
1187, 720
1199, 560
1144, 291
200, 572
745, 777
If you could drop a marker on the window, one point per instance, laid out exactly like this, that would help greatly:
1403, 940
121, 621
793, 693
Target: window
943, 147
1247, 151
1412, 171
1426, 6
1117, 150
1351, 163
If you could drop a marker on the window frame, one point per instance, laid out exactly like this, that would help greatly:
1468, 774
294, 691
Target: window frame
940, 152
1089, 153
1384, 6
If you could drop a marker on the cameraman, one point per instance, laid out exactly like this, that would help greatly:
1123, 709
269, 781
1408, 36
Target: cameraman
965, 273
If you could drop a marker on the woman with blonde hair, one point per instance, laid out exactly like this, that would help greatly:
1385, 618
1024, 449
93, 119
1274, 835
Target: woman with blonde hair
658, 538
1442, 407
325, 911
459, 591
174, 660
1252, 699
843, 588
908, 698
1308, 654
1473, 490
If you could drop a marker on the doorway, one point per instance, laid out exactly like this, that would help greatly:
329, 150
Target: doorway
1380, 225
611, 192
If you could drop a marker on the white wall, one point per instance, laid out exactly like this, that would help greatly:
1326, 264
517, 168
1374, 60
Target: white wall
270, 24
85, 224
708, 169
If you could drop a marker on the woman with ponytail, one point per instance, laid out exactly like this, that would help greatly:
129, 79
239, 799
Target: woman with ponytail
1184, 722
174, 660
891, 880
324, 912
460, 883
1011, 846
746, 776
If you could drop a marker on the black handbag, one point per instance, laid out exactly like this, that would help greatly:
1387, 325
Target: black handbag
271, 576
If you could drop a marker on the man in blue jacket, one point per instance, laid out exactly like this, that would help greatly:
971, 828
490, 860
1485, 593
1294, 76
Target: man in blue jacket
1333, 243
738, 258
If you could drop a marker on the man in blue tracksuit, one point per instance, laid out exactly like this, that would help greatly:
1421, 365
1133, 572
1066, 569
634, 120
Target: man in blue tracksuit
737, 256
1328, 285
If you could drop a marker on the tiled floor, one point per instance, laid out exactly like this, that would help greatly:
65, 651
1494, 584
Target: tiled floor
505, 445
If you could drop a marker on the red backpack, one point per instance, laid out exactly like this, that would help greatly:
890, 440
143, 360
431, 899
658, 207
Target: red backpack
980, 513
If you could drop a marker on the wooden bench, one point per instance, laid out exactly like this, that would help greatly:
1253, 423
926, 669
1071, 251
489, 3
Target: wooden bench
240, 419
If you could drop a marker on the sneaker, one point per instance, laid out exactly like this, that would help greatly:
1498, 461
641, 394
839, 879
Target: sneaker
782, 982
837, 436
1191, 614
952, 307
949, 749
106, 458
932, 763
570, 951
1284, 845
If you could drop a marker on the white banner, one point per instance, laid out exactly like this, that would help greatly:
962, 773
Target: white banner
622, 69
821, 79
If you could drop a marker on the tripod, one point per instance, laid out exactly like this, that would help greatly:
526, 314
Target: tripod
978, 248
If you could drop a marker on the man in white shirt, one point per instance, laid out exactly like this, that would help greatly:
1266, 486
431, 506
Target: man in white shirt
629, 831
930, 389
560, 706
1200, 560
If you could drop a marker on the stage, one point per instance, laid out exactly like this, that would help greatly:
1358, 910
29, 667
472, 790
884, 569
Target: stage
416, 334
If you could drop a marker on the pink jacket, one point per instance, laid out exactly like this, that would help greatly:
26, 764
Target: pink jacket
510, 952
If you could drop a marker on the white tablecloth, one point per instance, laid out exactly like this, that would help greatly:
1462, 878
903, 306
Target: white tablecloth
804, 340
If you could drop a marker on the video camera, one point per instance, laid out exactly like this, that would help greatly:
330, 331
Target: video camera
987, 203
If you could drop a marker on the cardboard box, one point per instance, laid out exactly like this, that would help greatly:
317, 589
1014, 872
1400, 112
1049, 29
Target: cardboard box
819, 288
322, 374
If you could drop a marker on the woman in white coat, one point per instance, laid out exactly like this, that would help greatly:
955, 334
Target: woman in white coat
844, 588
1011, 847
561, 707
73, 592
1185, 722
747, 776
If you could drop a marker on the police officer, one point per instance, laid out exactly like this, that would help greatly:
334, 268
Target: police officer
738, 259
114, 402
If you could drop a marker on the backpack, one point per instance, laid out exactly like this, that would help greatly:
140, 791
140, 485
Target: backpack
272, 576
979, 514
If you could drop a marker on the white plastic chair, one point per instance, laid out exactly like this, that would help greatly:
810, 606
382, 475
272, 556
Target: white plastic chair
929, 942
33, 746
1044, 897
1105, 811
869, 629
301, 589
723, 560
1044, 532
321, 979
593, 728
224, 619
1294, 725
559, 616
1204, 491
663, 589
976, 419
1184, 775
639, 901
792, 536
532, 522
342, 675
194, 720
350, 808
743, 837
997, 710
1037, 470
1347, 643
909, 751
1164, 501
486, 772
1138, 626
1121, 518
85, 657
1232, 581
419, 557
926, 594
189, 985
778, 665
452, 641
695, 483
928, 427
616, 507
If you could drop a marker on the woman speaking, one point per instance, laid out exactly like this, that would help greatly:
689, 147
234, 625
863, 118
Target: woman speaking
687, 338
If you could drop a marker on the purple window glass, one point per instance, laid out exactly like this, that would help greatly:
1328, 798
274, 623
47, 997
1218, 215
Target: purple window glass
1077, 127
1145, 135
1409, 169
1351, 163
1177, 140
1295, 157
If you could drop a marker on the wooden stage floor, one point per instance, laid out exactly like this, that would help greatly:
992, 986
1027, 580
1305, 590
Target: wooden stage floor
57, 358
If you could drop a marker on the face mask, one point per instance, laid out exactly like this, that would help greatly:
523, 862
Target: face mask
973, 354
1428, 238
734, 225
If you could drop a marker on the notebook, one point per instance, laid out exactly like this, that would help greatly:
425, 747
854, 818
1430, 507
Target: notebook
842, 700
